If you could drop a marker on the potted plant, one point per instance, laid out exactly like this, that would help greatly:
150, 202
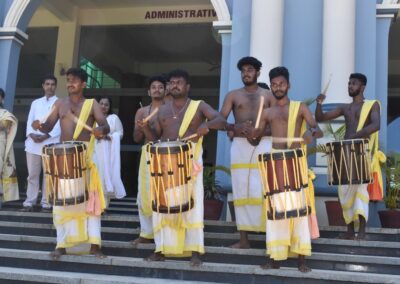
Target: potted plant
391, 218
212, 200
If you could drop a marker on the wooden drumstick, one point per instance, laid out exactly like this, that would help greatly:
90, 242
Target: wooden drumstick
43, 120
80, 122
285, 140
325, 90
153, 113
194, 135
260, 109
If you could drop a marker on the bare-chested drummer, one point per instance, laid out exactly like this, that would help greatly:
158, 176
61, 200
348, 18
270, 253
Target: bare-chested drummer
246, 185
156, 91
288, 120
180, 118
362, 119
75, 225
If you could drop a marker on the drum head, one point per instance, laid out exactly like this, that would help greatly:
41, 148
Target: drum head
281, 155
67, 147
348, 142
166, 147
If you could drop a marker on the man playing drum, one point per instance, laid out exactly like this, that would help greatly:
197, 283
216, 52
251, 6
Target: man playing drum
156, 92
362, 120
246, 187
182, 234
287, 119
76, 224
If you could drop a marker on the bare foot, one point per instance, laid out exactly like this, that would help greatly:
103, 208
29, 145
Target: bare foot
360, 236
272, 264
155, 257
195, 260
304, 268
301, 264
140, 240
57, 253
240, 245
96, 251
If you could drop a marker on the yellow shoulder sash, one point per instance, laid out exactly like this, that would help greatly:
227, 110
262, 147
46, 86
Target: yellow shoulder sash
189, 114
95, 187
86, 108
294, 108
375, 189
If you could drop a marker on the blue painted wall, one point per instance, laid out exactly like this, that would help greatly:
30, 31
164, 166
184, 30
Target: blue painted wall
302, 47
239, 47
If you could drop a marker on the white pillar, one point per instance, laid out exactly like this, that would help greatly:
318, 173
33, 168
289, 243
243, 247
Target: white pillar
267, 34
338, 45
67, 51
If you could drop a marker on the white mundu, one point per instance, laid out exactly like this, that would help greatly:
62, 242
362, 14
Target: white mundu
354, 200
246, 184
39, 109
143, 198
182, 234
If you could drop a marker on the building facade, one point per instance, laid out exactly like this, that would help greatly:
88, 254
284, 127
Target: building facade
125, 42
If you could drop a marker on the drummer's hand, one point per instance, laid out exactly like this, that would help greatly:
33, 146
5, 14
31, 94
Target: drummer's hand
254, 141
320, 98
36, 124
244, 128
230, 134
202, 130
308, 137
41, 137
141, 124
98, 132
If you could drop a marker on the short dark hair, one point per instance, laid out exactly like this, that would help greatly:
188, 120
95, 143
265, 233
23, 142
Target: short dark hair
359, 76
249, 60
279, 71
49, 77
78, 72
160, 79
109, 101
263, 85
179, 73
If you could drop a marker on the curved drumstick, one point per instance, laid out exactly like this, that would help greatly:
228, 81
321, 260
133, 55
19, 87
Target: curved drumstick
43, 119
260, 109
285, 140
194, 135
153, 113
325, 90
78, 121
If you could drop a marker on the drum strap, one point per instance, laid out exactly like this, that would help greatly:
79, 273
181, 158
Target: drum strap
94, 183
189, 114
377, 155
294, 108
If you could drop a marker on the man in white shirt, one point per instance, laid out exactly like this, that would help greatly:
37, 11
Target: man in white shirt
34, 142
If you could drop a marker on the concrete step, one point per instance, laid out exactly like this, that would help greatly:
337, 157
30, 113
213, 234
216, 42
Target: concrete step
318, 260
378, 248
132, 221
23, 275
180, 269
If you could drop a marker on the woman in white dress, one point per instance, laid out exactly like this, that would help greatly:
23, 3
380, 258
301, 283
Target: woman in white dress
107, 152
